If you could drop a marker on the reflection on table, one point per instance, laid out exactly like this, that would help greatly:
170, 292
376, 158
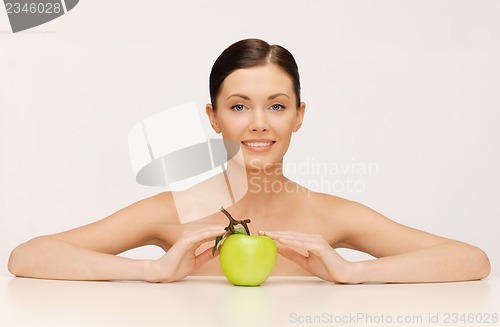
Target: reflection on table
213, 301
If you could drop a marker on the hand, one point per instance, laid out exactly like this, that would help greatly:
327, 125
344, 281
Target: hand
321, 260
180, 260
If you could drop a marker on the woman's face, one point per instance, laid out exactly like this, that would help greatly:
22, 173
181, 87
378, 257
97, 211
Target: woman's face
256, 109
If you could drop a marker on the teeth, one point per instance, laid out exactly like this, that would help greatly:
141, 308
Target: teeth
256, 144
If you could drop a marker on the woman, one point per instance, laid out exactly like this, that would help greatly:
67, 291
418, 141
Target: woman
255, 103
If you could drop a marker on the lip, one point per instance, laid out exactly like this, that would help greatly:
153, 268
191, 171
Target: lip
258, 148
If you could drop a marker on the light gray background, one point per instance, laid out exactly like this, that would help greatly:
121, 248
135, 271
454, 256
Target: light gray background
408, 86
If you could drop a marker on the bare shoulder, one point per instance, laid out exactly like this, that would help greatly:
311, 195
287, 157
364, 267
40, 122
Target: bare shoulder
327, 206
334, 207
356, 226
332, 214
348, 223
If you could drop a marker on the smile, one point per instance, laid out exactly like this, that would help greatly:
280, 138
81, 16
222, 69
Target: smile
258, 146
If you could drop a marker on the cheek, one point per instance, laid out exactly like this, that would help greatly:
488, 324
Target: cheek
283, 124
231, 125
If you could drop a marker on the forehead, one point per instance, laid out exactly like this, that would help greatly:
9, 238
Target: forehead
268, 79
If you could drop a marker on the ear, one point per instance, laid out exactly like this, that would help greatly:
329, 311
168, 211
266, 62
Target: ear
299, 117
212, 116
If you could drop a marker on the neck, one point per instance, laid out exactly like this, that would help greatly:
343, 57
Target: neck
258, 187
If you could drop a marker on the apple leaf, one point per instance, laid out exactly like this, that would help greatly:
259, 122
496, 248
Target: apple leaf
240, 230
218, 242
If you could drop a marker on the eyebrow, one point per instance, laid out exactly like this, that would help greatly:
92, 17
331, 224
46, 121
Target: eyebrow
271, 97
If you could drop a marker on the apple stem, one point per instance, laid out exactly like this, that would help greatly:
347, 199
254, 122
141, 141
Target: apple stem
233, 222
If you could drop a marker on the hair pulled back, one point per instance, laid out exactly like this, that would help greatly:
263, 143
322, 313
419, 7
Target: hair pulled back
249, 53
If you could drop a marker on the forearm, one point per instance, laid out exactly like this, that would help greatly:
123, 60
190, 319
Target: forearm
46, 257
450, 261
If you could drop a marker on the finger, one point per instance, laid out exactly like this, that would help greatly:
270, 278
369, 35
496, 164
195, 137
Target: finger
292, 233
295, 235
203, 257
268, 234
294, 256
217, 251
278, 236
205, 230
205, 240
204, 233
314, 246
195, 239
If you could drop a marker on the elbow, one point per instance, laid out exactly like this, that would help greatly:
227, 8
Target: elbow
14, 264
18, 264
481, 265
485, 265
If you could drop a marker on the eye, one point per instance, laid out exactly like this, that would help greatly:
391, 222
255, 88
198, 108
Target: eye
238, 107
277, 107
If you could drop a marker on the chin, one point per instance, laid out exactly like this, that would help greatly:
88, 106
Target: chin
262, 165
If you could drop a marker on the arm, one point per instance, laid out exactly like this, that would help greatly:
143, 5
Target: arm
446, 262
403, 254
50, 258
89, 252
406, 254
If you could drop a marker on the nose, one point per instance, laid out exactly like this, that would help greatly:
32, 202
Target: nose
259, 121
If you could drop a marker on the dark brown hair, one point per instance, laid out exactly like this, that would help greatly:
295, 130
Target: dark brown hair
251, 53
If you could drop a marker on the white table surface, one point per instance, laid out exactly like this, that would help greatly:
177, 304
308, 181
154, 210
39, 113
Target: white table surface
213, 301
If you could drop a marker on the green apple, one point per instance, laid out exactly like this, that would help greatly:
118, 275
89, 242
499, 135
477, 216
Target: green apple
248, 260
